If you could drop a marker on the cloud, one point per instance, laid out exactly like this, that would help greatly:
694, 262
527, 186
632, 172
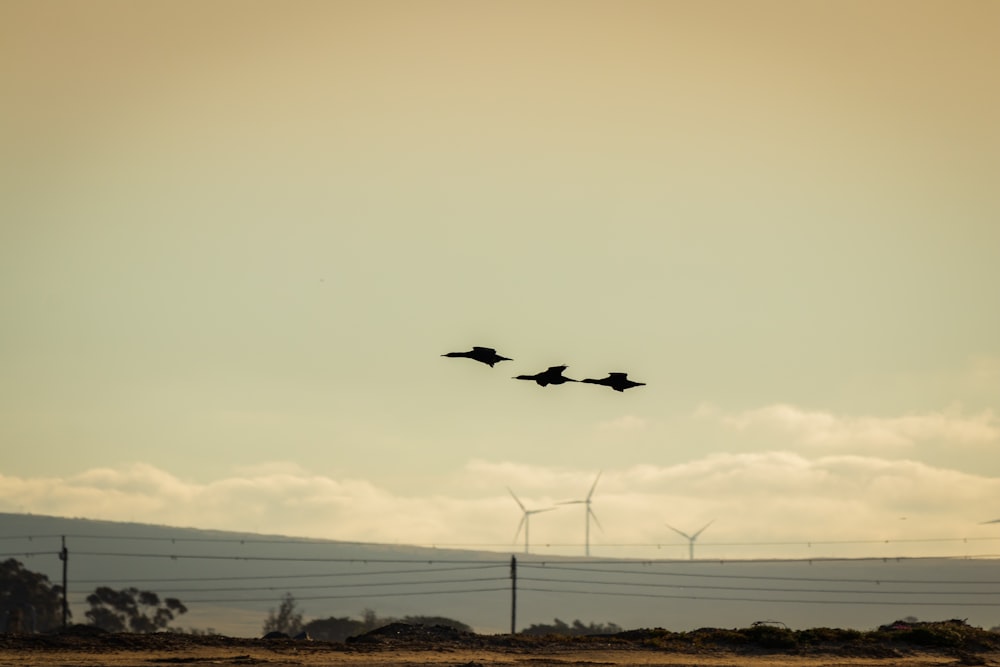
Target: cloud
825, 429
756, 499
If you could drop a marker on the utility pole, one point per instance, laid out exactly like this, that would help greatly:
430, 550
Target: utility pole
64, 557
513, 595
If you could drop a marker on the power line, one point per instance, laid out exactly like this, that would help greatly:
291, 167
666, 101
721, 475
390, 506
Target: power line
30, 553
29, 537
350, 596
686, 562
300, 559
768, 600
767, 577
503, 545
755, 588
218, 540
283, 576
431, 561
313, 587
548, 567
642, 573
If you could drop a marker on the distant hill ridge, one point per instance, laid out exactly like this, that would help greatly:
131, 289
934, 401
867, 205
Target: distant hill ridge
37, 525
230, 580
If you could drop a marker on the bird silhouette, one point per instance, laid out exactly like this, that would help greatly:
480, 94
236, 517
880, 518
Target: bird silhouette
617, 381
486, 355
552, 375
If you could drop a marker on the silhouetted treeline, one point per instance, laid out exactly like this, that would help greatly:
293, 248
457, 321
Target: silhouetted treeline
334, 629
578, 628
131, 610
29, 602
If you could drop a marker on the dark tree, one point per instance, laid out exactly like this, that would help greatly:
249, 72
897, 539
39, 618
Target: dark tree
28, 601
131, 610
334, 629
286, 619
437, 620
578, 628
339, 629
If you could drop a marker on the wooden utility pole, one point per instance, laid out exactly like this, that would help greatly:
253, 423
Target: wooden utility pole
513, 595
64, 557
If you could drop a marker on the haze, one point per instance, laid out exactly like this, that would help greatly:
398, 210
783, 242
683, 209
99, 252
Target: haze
236, 237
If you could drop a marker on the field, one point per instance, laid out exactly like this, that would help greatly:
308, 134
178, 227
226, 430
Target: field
912, 645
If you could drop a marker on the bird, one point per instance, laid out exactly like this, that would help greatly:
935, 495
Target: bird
552, 375
617, 381
486, 355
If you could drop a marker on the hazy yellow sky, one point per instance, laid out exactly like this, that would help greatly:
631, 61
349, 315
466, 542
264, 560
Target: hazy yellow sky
236, 237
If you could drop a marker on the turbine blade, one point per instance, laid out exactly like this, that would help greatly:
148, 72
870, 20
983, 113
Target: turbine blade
546, 509
594, 516
519, 527
679, 532
571, 502
516, 500
594, 485
695, 536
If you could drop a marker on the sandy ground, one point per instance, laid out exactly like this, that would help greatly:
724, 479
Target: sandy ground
400, 657
400, 644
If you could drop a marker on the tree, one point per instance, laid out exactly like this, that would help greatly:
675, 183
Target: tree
578, 628
131, 610
334, 629
437, 620
286, 619
370, 621
28, 601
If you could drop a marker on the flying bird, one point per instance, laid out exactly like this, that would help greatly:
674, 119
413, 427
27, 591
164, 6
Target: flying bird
553, 375
617, 381
486, 355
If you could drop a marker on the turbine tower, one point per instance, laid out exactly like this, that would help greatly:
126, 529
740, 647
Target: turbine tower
691, 538
525, 518
587, 515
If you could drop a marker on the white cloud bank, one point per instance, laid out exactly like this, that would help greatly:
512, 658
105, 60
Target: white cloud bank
756, 500
818, 428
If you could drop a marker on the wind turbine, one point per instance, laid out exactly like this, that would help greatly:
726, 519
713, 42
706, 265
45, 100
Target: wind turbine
525, 518
691, 538
588, 514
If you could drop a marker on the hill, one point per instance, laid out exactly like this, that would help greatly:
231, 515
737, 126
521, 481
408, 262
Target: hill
230, 581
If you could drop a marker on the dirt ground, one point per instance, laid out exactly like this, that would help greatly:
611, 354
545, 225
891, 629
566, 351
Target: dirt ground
410, 646
401, 657
322, 653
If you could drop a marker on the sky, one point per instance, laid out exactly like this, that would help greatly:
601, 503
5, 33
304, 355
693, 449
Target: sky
236, 238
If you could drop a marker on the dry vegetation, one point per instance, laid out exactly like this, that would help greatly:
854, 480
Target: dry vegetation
913, 644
